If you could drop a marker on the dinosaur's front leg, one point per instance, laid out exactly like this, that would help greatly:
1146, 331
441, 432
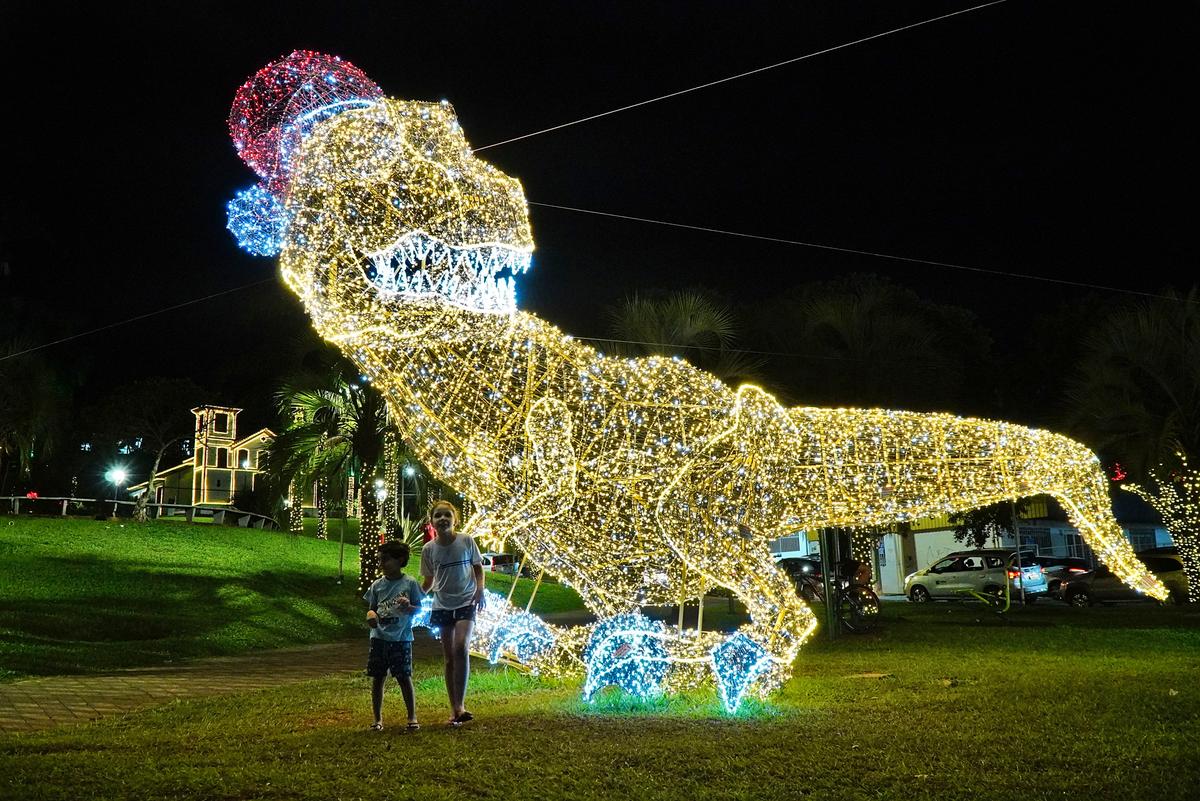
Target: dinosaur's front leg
528, 512
546, 486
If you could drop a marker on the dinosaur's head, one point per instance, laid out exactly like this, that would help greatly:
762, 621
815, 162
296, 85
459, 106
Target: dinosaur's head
384, 200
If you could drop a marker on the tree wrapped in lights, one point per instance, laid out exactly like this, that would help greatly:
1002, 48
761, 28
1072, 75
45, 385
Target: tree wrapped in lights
634, 480
1134, 393
295, 507
1175, 495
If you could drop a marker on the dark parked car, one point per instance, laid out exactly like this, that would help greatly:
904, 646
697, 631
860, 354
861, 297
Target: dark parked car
500, 563
1100, 585
1057, 569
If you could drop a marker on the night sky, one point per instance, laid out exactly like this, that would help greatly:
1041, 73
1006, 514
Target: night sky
1041, 138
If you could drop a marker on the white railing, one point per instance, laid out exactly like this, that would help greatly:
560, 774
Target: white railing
221, 515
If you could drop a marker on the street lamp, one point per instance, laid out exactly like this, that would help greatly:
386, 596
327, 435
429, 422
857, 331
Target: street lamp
117, 476
409, 471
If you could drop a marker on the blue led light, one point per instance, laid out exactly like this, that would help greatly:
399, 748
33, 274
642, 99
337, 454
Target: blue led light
257, 220
521, 636
421, 618
626, 651
305, 122
736, 663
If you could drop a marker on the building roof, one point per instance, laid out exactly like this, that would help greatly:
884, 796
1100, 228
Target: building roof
160, 474
259, 433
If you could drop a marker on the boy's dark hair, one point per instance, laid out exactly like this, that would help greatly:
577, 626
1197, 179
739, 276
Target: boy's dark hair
395, 549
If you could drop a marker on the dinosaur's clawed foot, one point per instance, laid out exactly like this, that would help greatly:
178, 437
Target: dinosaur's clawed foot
737, 662
521, 637
628, 651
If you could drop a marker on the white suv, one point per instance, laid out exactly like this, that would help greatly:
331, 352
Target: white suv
958, 574
500, 563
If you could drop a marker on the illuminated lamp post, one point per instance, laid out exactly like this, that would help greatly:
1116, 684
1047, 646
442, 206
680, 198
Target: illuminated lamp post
408, 472
116, 476
381, 494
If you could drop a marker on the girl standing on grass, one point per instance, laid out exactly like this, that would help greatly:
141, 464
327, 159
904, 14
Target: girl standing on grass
452, 572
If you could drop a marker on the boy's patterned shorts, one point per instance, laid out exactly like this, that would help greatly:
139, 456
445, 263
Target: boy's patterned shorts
388, 656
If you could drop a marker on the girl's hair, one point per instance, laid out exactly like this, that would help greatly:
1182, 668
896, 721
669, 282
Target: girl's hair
453, 510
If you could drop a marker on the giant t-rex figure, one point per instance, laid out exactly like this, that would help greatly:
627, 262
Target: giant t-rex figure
636, 481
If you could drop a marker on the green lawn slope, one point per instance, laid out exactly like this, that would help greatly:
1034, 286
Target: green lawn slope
82, 596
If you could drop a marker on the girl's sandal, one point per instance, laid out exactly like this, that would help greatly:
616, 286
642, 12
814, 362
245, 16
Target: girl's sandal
463, 718
375, 727
413, 725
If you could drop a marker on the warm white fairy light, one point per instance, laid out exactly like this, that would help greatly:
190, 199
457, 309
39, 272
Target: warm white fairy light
1175, 495
295, 508
322, 508
635, 481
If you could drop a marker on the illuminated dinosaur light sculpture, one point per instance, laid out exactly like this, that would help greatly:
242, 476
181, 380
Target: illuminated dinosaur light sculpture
636, 481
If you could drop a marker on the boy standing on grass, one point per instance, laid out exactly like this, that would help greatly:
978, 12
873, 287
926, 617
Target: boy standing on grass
392, 600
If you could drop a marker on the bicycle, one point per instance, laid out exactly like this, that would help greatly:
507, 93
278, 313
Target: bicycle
856, 604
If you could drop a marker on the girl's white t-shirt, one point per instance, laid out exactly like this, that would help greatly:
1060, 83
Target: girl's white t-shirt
451, 567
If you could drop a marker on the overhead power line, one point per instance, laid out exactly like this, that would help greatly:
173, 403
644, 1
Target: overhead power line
736, 77
154, 313
871, 253
667, 223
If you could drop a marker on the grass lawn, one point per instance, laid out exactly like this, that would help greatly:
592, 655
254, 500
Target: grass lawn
1058, 703
84, 595
81, 596
551, 596
335, 529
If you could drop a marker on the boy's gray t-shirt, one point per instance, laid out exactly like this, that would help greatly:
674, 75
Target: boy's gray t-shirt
451, 568
382, 595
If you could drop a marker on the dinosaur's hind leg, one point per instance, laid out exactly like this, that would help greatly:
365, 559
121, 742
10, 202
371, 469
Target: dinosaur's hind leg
762, 651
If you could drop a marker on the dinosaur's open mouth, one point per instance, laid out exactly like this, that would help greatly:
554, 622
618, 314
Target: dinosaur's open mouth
479, 277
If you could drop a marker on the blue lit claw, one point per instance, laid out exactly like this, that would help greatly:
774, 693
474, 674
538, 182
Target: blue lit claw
626, 651
520, 636
421, 617
737, 662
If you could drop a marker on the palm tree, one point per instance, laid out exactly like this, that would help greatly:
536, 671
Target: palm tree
339, 428
866, 341
1136, 396
693, 324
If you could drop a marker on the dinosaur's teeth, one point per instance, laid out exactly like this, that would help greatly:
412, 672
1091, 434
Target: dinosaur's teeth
417, 264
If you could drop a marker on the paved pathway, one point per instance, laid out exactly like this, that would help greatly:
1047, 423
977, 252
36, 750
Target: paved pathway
43, 703
62, 700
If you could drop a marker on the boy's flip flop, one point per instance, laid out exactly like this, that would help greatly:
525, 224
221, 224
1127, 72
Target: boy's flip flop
375, 727
463, 718
414, 726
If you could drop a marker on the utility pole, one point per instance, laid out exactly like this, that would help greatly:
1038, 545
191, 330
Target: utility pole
829, 561
1012, 505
